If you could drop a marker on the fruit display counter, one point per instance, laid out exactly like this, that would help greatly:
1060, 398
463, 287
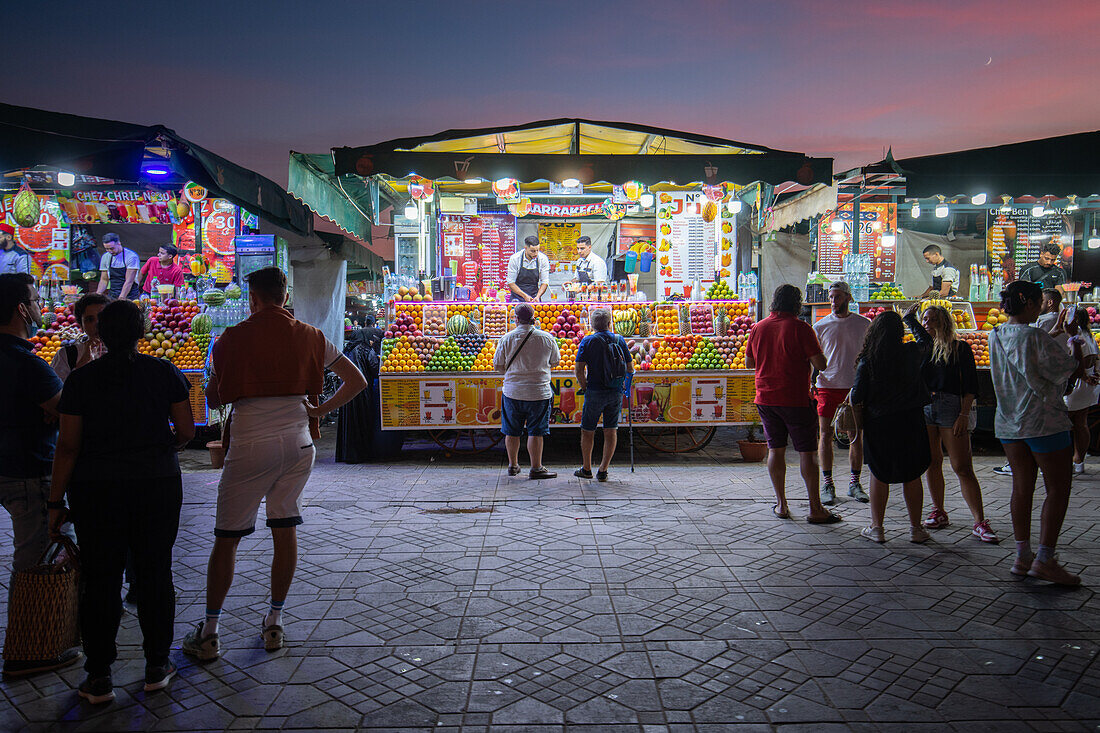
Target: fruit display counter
176, 330
437, 363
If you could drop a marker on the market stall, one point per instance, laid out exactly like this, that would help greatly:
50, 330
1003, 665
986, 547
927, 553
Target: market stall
671, 216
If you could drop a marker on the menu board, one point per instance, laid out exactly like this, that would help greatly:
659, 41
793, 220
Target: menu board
1018, 234
687, 242
47, 241
485, 239
875, 219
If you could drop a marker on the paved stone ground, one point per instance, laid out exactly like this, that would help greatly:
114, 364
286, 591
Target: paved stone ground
669, 599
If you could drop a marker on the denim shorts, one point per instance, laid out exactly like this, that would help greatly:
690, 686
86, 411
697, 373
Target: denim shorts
534, 413
597, 402
1045, 443
943, 410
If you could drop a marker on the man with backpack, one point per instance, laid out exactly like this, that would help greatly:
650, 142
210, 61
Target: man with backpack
603, 368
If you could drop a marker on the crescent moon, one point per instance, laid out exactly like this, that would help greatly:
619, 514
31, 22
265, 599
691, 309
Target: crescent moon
987, 63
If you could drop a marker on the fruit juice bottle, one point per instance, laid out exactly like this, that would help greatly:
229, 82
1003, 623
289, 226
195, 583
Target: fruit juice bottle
679, 403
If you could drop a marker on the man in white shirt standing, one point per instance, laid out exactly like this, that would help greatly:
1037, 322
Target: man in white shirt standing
590, 267
841, 335
528, 272
526, 355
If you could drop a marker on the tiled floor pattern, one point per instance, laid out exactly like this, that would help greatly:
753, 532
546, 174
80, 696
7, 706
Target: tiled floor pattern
668, 599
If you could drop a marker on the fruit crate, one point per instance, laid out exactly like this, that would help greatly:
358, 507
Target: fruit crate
667, 319
495, 320
702, 319
963, 313
435, 320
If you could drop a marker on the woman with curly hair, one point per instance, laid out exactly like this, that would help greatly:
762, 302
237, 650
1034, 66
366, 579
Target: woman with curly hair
951, 376
892, 394
1030, 370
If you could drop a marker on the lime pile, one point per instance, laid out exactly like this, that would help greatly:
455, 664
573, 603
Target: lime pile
720, 290
449, 358
706, 356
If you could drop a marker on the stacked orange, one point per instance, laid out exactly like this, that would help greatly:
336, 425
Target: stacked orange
483, 362
568, 351
402, 358
546, 314
674, 352
50, 346
415, 311
979, 344
739, 308
190, 356
472, 311
668, 320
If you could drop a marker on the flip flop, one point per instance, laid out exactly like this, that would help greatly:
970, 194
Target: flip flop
779, 514
829, 518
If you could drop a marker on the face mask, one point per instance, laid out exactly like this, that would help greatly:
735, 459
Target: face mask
32, 326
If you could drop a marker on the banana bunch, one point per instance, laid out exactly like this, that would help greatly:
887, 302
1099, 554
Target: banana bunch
625, 321
926, 304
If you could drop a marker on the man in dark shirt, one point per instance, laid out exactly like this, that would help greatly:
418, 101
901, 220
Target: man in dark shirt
29, 392
1046, 271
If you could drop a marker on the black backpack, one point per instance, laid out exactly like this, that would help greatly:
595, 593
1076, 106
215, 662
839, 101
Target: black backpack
614, 373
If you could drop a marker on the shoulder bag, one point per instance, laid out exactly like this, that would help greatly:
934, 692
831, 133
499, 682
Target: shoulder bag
848, 417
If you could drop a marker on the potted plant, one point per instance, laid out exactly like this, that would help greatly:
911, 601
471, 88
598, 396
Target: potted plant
752, 449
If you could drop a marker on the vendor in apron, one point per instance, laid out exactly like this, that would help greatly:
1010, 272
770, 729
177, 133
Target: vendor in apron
118, 270
528, 272
590, 268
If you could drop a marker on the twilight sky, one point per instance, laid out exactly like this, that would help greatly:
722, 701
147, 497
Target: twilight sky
841, 78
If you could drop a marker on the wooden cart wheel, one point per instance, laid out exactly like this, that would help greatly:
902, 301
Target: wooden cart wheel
465, 442
679, 438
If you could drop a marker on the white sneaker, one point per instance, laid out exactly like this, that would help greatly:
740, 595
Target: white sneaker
875, 534
1078, 469
919, 535
1005, 470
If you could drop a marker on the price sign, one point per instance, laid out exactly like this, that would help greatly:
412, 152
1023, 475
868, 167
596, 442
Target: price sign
219, 225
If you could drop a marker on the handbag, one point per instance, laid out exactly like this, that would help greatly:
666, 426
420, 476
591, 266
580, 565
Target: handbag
848, 417
43, 619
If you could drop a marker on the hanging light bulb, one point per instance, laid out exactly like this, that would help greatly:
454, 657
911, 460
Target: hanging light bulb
646, 200
571, 182
941, 209
1094, 240
1072, 205
978, 199
1006, 207
1038, 210
1050, 210
64, 178
734, 206
411, 210
837, 226
473, 181
915, 211
889, 240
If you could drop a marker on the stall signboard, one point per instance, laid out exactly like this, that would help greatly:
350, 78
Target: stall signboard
1019, 234
47, 241
690, 231
119, 206
558, 241
704, 398
219, 225
875, 219
491, 236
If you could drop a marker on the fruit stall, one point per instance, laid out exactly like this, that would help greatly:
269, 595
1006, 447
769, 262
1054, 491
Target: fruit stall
437, 369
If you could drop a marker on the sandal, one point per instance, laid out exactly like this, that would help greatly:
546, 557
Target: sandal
779, 514
829, 518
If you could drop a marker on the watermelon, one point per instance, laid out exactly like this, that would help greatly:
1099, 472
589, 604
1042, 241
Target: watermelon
202, 323
233, 292
213, 296
457, 325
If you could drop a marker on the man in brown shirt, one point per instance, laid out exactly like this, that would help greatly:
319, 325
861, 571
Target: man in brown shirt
265, 367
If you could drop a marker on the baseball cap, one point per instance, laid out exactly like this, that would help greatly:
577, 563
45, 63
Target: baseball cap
841, 286
7, 228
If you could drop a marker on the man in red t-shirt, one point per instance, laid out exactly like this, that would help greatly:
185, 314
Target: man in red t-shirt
782, 349
164, 268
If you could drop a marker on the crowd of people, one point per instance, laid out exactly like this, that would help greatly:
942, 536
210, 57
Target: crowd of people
92, 439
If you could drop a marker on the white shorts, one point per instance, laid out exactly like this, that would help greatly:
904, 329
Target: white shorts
272, 469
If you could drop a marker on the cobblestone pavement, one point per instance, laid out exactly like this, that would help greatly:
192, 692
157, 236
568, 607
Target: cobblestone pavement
669, 599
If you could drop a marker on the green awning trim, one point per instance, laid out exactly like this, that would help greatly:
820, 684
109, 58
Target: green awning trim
346, 203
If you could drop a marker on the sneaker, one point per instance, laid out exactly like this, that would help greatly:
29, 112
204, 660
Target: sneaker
156, 678
601, 476
1078, 469
828, 494
205, 648
984, 533
1022, 564
513, 470
937, 519
273, 637
97, 690
1052, 571
875, 534
541, 472
1005, 470
582, 473
919, 535
856, 492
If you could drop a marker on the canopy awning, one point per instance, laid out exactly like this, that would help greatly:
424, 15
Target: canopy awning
1057, 166
811, 202
95, 147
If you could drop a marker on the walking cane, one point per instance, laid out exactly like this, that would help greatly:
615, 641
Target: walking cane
630, 416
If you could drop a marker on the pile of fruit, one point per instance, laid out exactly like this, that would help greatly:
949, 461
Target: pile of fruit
732, 349
568, 326
720, 290
706, 356
674, 352
470, 344
449, 358
945, 304
962, 319
484, 360
888, 291
398, 355
59, 326
172, 316
435, 320
495, 320
412, 313
568, 349
624, 321
979, 344
643, 352
405, 324
994, 318
668, 320
875, 311
411, 294
1094, 315
701, 317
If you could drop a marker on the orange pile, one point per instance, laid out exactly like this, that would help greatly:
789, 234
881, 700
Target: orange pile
402, 358
568, 351
674, 352
979, 344
415, 311
483, 362
668, 320
190, 356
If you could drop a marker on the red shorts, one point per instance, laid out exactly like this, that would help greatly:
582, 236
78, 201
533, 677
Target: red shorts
828, 400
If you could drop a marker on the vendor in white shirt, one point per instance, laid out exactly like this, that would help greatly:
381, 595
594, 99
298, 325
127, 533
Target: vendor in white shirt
528, 272
590, 268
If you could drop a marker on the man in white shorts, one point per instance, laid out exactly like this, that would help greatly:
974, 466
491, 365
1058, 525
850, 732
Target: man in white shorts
266, 366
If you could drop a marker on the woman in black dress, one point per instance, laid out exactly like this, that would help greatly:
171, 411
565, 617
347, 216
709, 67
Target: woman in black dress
892, 394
